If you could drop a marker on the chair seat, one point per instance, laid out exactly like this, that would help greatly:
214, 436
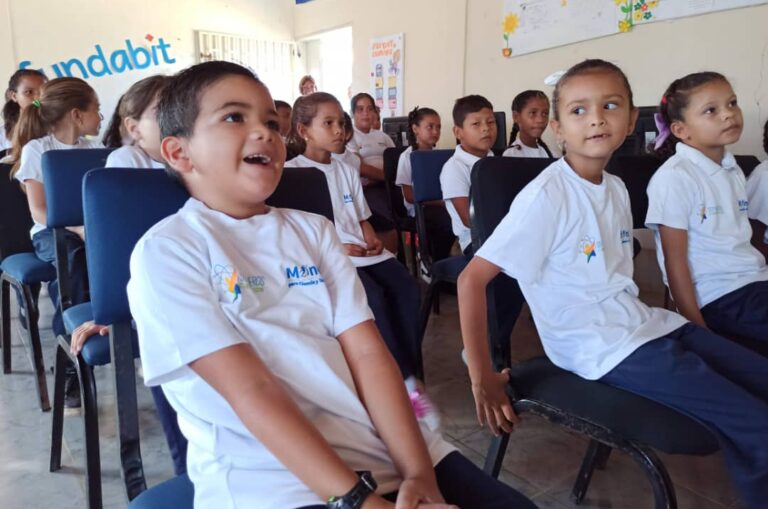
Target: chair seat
448, 269
178, 493
631, 416
76, 315
28, 269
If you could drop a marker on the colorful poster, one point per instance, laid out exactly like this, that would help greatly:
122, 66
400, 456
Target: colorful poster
386, 68
645, 11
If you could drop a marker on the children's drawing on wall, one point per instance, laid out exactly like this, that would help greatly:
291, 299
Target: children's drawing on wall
386, 71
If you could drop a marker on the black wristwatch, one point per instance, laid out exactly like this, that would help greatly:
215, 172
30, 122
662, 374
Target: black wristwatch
356, 496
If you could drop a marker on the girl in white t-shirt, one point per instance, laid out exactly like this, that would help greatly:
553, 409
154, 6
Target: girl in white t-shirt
255, 323
698, 209
134, 127
317, 132
423, 134
23, 88
757, 194
530, 116
567, 240
67, 111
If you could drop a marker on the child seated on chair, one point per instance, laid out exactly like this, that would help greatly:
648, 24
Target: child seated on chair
475, 127
567, 240
254, 321
757, 194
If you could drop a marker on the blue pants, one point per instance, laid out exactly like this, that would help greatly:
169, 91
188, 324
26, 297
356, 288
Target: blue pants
719, 383
177, 443
742, 316
463, 484
394, 298
45, 249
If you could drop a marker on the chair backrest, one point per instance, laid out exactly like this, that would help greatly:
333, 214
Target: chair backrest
15, 219
747, 164
63, 172
426, 166
500, 144
394, 193
303, 189
636, 172
119, 207
495, 183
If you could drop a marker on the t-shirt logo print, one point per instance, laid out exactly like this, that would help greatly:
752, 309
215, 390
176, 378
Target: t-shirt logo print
703, 213
588, 246
234, 282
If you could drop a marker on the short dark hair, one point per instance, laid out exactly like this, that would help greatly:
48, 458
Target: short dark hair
357, 97
179, 104
469, 104
281, 104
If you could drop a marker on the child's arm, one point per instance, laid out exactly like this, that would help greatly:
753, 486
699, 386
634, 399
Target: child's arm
407, 192
371, 172
381, 389
488, 387
674, 244
758, 236
240, 376
36, 200
373, 243
461, 204
85, 331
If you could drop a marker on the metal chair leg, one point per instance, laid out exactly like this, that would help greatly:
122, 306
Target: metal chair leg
426, 308
663, 489
36, 348
91, 433
5, 295
595, 453
495, 456
57, 421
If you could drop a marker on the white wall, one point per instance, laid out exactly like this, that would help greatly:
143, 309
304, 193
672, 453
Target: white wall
47, 32
453, 47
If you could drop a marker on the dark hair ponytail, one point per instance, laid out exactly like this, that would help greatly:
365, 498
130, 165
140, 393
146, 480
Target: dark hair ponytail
113, 137
675, 101
11, 109
415, 116
304, 110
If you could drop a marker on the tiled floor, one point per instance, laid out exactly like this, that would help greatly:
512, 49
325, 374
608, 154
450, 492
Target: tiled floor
542, 460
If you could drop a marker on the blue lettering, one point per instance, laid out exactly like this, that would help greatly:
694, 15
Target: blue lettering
98, 57
135, 52
67, 66
313, 271
124, 65
163, 46
56, 70
292, 273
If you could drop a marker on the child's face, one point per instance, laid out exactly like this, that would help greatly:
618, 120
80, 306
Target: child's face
428, 131
145, 131
478, 132
533, 118
89, 120
364, 114
595, 115
28, 90
713, 118
326, 131
284, 117
234, 158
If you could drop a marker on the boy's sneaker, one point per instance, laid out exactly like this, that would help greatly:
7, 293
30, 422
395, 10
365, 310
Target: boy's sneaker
425, 411
71, 395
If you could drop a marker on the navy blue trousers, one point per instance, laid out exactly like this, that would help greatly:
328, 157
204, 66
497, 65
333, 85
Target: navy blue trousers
742, 316
45, 249
463, 484
393, 296
716, 381
177, 443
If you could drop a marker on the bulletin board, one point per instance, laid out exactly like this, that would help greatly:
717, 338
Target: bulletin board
535, 25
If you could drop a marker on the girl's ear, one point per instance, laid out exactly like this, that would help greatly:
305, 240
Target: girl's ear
555, 125
302, 130
680, 130
131, 126
175, 151
515, 117
76, 116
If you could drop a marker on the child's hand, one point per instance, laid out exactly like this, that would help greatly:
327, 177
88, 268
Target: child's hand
354, 250
419, 494
77, 230
374, 247
493, 405
85, 331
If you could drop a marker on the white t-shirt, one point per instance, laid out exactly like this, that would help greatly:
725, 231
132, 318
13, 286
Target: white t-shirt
5, 143
370, 146
405, 177
455, 183
31, 167
202, 281
349, 205
131, 156
691, 192
568, 242
519, 149
757, 193
348, 157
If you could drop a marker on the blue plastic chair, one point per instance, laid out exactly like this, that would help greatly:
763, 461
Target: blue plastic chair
63, 172
25, 272
426, 168
178, 493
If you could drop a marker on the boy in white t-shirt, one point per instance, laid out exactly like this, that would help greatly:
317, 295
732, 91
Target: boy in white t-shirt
567, 240
475, 127
253, 320
757, 194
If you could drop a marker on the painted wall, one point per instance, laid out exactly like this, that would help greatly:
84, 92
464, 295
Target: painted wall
47, 33
453, 47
